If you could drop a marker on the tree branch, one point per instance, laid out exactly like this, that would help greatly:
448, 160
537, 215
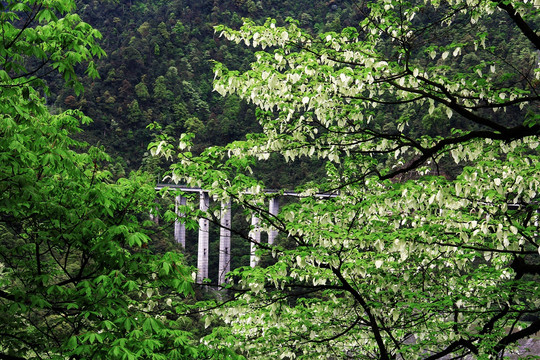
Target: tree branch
372, 320
511, 338
514, 133
450, 349
10, 357
520, 23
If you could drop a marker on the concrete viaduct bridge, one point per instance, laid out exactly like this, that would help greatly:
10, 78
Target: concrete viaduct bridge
225, 228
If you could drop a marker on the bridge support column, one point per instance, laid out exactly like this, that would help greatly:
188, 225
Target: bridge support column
179, 227
154, 215
224, 242
273, 209
204, 227
255, 236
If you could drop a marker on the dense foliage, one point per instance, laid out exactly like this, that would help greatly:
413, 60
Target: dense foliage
78, 278
403, 262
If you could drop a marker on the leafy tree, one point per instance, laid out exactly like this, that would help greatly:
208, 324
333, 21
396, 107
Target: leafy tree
77, 278
389, 268
135, 113
161, 93
142, 91
179, 28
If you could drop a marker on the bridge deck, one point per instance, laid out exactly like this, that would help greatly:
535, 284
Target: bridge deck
266, 191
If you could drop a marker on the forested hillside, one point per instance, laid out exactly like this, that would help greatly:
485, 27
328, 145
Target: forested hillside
159, 68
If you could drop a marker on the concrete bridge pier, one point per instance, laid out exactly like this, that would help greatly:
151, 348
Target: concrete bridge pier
255, 233
204, 227
273, 209
224, 242
154, 215
179, 227
255, 236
